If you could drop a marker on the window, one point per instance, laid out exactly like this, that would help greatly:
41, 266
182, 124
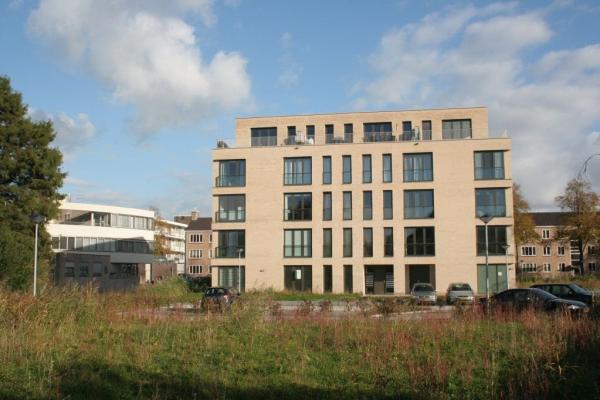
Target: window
347, 278
297, 243
545, 233
298, 278
310, 133
592, 267
388, 205
232, 208
387, 168
489, 165
201, 238
194, 269
329, 133
456, 128
298, 206
297, 171
327, 206
562, 267
194, 253
418, 167
367, 205
490, 202
367, 175
347, 169
231, 173
327, 242
407, 131
97, 269
547, 267
426, 130
347, 242
496, 240
528, 250
233, 278
348, 133
560, 250
419, 241
264, 136
327, 279
291, 138
528, 267
69, 270
418, 204
547, 250
367, 242
378, 132
84, 270
388, 242
347, 198
232, 244
326, 170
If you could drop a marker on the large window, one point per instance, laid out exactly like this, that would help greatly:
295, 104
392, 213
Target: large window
347, 169
347, 242
326, 170
232, 244
297, 171
456, 128
418, 167
378, 132
490, 202
426, 130
388, 205
347, 198
231, 173
230, 276
297, 243
367, 205
418, 204
387, 168
327, 206
489, 165
232, 208
348, 133
310, 133
329, 133
367, 242
496, 240
388, 242
419, 241
298, 278
327, 279
291, 138
264, 136
327, 242
297, 206
367, 175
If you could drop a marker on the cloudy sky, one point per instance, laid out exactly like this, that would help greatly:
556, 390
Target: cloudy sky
139, 90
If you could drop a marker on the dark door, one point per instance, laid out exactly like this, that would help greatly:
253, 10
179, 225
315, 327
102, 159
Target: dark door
379, 281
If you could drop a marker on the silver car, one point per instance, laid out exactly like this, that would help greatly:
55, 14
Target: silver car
423, 293
459, 293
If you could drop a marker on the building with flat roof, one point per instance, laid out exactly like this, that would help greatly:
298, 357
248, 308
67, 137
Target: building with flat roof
171, 235
107, 245
365, 202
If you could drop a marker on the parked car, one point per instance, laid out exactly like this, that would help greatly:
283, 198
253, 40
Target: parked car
217, 298
569, 291
459, 293
520, 299
423, 293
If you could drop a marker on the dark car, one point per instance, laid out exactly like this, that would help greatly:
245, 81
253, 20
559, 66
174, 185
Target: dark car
568, 291
218, 298
520, 299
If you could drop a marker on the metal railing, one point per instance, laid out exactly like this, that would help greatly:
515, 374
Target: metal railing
331, 138
370, 137
229, 252
230, 216
461, 133
298, 140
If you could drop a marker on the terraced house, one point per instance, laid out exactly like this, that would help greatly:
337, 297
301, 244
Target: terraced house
366, 202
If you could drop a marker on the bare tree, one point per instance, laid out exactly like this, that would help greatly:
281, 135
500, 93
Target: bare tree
582, 222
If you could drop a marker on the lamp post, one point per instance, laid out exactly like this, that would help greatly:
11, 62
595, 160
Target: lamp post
486, 220
240, 270
506, 247
37, 219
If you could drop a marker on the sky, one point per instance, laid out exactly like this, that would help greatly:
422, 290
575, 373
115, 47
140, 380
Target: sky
140, 90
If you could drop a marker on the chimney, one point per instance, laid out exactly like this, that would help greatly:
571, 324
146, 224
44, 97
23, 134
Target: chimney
194, 215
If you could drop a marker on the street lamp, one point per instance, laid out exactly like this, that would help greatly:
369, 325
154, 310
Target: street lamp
506, 247
240, 251
486, 220
37, 219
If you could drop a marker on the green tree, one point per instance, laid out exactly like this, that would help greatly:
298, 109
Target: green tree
30, 176
524, 228
582, 222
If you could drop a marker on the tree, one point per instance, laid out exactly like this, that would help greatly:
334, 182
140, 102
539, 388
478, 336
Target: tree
524, 227
161, 228
582, 222
30, 176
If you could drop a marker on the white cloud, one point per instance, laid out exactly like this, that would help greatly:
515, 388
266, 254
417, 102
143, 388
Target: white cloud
292, 70
477, 56
147, 56
72, 133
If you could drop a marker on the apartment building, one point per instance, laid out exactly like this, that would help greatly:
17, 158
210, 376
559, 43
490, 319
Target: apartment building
107, 245
553, 256
198, 246
365, 202
171, 235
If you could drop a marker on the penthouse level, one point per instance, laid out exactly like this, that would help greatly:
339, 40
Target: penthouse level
395, 199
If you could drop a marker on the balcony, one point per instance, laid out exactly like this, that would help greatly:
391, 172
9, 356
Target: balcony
238, 215
298, 140
229, 252
330, 138
230, 181
304, 214
370, 137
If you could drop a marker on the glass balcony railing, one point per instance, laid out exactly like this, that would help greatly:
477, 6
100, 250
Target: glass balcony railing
264, 141
230, 181
229, 252
230, 215
297, 215
346, 138
378, 137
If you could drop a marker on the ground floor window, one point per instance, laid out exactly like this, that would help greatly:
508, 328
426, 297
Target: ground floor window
379, 279
233, 277
419, 273
348, 279
327, 279
547, 267
528, 267
496, 276
298, 278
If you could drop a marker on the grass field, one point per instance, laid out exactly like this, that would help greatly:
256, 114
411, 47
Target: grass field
77, 344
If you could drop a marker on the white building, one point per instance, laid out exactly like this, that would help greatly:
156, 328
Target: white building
172, 236
111, 246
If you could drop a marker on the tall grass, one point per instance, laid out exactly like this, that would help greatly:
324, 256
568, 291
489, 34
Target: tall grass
78, 344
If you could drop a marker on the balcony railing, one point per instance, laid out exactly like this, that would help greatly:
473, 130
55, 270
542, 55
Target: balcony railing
230, 215
414, 134
297, 215
346, 138
298, 140
229, 252
378, 137
461, 133
230, 181
264, 141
